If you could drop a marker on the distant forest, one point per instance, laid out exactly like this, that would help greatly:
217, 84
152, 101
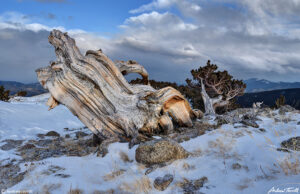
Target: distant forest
292, 97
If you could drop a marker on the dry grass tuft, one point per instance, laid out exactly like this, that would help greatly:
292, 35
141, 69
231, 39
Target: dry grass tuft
124, 156
196, 152
290, 164
47, 189
113, 175
142, 185
186, 166
244, 184
75, 191
110, 191
222, 146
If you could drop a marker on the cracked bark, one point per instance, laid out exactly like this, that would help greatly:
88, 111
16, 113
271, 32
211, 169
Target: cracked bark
93, 88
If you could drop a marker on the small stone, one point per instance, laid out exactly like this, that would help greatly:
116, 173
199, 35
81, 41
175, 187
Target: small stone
52, 134
161, 183
298, 123
200, 182
236, 166
62, 175
192, 186
80, 134
250, 123
283, 150
67, 136
262, 129
40, 135
198, 113
221, 120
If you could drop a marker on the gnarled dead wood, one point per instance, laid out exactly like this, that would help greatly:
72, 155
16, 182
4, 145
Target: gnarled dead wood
133, 67
94, 89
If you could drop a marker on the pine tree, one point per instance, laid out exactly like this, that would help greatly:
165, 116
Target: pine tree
217, 88
4, 94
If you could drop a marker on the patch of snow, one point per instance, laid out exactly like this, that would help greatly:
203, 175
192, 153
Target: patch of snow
218, 150
24, 120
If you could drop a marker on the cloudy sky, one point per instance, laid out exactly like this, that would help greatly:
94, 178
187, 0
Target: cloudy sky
249, 38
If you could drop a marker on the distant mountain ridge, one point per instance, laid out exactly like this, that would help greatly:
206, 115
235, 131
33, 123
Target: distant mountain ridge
32, 89
253, 85
259, 85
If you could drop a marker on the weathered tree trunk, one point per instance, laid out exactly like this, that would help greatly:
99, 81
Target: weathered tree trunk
210, 104
94, 89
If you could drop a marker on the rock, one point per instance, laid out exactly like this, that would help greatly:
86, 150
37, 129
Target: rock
236, 166
161, 183
39, 135
192, 186
52, 134
11, 144
27, 147
298, 123
67, 136
80, 134
283, 150
292, 143
159, 151
250, 123
262, 130
198, 113
63, 175
10, 175
46, 148
285, 108
43, 142
184, 134
221, 120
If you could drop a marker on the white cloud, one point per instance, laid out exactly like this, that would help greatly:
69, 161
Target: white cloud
248, 37
184, 5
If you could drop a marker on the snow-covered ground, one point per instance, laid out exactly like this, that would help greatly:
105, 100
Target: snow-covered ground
253, 153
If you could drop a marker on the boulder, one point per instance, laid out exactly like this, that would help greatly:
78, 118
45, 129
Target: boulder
159, 151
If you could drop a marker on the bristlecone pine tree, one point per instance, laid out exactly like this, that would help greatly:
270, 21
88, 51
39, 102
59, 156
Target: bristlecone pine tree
217, 88
4, 94
94, 89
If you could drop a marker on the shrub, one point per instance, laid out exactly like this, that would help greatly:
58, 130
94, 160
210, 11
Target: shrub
22, 93
4, 94
280, 101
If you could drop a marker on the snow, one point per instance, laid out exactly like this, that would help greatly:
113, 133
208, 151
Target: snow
25, 119
254, 150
